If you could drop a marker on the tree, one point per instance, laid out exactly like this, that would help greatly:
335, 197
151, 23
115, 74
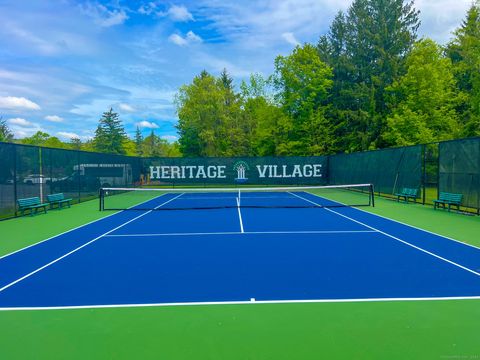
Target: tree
76, 143
41, 138
366, 47
209, 117
424, 99
110, 134
138, 142
464, 51
261, 117
5, 134
302, 81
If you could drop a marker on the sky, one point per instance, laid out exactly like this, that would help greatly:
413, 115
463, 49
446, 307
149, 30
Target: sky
64, 62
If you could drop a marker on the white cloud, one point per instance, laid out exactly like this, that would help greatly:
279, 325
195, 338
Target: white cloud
147, 125
191, 37
22, 128
290, 38
177, 40
53, 118
179, 13
19, 122
169, 138
12, 103
68, 135
126, 107
103, 16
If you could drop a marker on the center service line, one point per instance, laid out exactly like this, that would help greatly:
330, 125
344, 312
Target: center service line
240, 216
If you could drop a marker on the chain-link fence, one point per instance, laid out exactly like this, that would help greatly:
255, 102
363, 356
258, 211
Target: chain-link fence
451, 166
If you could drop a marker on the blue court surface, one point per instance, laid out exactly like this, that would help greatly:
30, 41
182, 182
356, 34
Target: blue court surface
236, 255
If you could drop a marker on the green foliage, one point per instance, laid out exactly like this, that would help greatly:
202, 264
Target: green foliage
138, 142
5, 134
41, 138
302, 81
424, 99
209, 117
110, 134
366, 48
154, 146
464, 51
75, 144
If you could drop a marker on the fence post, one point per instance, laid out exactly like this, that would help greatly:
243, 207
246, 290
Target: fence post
15, 190
79, 184
424, 173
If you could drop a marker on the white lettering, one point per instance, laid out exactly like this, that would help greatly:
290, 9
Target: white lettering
297, 172
165, 174
201, 172
211, 171
307, 173
317, 170
154, 172
284, 167
261, 173
175, 172
221, 172
190, 171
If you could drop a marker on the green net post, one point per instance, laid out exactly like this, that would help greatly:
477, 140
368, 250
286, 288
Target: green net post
372, 195
101, 204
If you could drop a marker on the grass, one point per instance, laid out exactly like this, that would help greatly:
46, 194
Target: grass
383, 330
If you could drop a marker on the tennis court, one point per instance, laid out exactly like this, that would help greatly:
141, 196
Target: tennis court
237, 247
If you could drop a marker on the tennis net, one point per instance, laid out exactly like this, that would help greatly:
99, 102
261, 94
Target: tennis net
220, 198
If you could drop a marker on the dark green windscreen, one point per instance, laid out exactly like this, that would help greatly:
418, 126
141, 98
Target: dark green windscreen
460, 169
389, 169
237, 171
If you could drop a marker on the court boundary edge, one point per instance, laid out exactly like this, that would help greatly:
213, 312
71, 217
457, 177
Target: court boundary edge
239, 302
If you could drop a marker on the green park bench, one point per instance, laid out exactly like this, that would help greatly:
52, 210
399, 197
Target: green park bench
407, 193
58, 199
449, 199
32, 204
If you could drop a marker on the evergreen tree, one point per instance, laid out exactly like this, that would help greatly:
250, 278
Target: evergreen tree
76, 143
464, 51
138, 142
110, 134
366, 48
5, 134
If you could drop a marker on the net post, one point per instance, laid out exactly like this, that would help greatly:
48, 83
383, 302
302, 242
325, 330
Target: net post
372, 196
100, 200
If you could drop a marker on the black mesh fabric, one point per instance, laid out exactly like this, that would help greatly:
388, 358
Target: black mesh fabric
388, 170
452, 166
459, 170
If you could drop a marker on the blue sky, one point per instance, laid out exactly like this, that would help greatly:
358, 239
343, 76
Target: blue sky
64, 62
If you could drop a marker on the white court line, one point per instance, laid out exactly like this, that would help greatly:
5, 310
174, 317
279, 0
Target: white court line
248, 302
400, 222
245, 232
81, 247
66, 232
240, 215
393, 237
75, 228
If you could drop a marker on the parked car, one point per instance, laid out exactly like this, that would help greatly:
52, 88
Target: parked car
36, 179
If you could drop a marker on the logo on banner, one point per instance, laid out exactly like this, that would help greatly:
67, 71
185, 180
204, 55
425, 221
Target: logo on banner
241, 167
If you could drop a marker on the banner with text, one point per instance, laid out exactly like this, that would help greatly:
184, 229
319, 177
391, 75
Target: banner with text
238, 171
